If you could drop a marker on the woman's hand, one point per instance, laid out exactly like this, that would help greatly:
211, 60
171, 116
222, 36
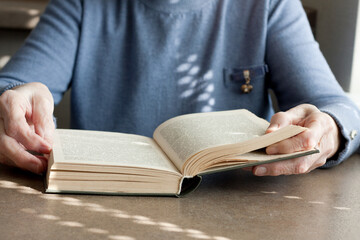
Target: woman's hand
322, 134
26, 124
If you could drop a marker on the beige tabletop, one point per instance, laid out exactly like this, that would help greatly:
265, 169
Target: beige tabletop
324, 204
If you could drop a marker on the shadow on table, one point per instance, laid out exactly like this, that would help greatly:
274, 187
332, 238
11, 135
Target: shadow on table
226, 206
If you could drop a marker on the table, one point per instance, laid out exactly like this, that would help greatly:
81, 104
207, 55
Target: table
324, 204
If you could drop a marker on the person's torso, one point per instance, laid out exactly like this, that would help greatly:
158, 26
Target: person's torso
158, 59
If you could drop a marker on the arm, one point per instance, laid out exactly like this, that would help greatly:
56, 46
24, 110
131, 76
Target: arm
299, 74
49, 54
46, 61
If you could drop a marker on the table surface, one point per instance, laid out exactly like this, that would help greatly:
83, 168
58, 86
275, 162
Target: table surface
323, 204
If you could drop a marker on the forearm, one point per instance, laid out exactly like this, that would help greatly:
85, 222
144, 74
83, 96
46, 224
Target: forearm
300, 74
48, 55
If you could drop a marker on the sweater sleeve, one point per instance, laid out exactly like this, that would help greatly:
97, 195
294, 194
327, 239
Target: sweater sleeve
300, 74
48, 55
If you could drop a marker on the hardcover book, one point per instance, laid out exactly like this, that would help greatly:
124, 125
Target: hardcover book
171, 163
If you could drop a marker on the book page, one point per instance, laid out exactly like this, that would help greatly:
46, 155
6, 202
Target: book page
110, 149
252, 159
183, 136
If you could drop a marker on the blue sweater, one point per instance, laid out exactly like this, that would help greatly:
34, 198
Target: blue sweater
133, 64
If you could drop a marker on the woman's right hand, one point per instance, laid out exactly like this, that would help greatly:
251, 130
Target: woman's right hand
26, 124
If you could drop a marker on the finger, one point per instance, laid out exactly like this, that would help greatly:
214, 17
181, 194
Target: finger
15, 154
293, 116
309, 139
279, 120
6, 161
304, 115
303, 110
49, 132
42, 118
292, 166
247, 168
14, 111
18, 129
306, 140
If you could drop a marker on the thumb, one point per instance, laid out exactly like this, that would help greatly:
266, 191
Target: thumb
279, 120
42, 117
294, 116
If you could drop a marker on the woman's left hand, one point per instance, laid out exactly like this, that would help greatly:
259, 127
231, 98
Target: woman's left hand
322, 133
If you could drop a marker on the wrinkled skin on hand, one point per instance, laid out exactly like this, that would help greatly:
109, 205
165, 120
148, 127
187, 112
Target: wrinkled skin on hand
26, 124
322, 133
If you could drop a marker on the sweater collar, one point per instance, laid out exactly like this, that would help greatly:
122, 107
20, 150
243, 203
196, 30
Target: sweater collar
176, 6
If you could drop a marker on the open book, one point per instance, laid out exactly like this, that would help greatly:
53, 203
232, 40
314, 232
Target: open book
182, 149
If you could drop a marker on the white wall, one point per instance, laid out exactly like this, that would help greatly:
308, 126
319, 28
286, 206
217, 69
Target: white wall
355, 77
336, 30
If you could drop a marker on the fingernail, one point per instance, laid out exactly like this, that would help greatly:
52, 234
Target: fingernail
260, 171
45, 149
272, 128
271, 150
